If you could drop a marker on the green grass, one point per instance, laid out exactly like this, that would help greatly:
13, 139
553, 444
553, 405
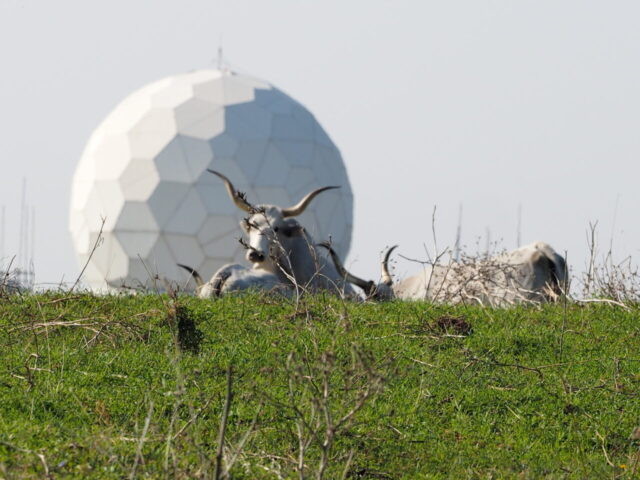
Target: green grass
81, 376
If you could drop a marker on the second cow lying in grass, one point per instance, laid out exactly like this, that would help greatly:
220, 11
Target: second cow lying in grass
533, 273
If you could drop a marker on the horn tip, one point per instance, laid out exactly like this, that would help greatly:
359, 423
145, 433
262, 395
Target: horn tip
389, 250
189, 269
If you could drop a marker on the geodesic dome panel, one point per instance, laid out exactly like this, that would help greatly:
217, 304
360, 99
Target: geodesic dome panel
144, 171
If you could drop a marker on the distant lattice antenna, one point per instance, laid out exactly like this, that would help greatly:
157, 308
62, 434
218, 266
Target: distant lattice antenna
519, 232
220, 62
24, 267
456, 248
21, 252
2, 223
25, 245
32, 250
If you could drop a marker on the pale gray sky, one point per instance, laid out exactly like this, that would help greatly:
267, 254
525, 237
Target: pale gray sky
488, 104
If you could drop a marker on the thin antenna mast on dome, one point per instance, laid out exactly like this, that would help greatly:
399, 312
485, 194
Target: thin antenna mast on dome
2, 221
220, 59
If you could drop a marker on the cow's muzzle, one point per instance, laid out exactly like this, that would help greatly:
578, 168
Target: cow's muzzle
255, 257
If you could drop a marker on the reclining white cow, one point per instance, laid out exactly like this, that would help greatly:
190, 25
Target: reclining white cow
237, 278
533, 273
278, 245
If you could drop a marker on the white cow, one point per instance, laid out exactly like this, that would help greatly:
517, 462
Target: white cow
237, 278
279, 245
533, 273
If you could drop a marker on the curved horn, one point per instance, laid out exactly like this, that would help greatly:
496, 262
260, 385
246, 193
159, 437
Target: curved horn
386, 276
237, 197
218, 283
304, 203
196, 276
368, 287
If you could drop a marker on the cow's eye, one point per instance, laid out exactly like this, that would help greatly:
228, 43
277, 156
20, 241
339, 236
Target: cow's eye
275, 229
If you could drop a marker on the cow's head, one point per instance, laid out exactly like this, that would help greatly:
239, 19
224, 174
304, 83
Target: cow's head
552, 269
546, 271
271, 229
383, 290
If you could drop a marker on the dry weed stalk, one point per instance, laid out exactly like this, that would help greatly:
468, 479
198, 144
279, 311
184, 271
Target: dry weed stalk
429, 264
143, 437
321, 410
96, 244
9, 285
491, 361
609, 281
232, 453
223, 423
41, 457
99, 326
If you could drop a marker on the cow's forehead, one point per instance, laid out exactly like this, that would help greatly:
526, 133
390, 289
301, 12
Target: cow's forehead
267, 215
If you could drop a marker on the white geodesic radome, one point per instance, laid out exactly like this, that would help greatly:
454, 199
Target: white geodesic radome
144, 172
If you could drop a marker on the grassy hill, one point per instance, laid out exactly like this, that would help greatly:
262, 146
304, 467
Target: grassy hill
137, 387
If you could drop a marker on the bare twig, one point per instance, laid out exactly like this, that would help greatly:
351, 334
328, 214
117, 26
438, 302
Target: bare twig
513, 365
591, 240
7, 285
40, 456
604, 449
347, 466
192, 419
231, 461
602, 300
95, 246
143, 436
609, 280
223, 423
153, 278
